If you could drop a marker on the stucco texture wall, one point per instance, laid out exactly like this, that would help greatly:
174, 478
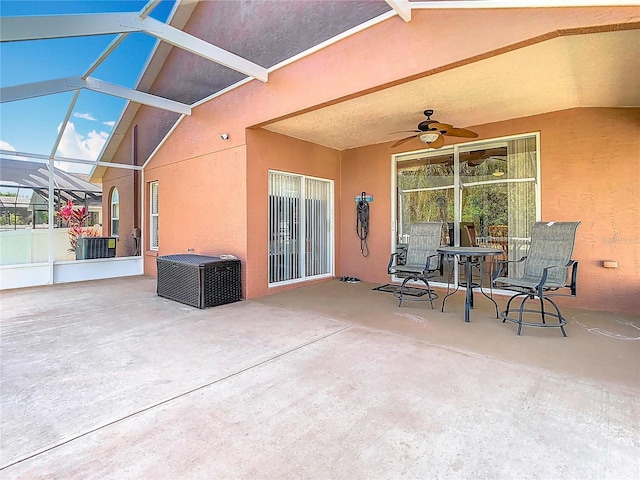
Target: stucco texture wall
123, 180
366, 169
202, 205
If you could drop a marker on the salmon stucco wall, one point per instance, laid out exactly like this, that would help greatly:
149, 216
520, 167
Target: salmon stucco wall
588, 175
366, 169
270, 151
123, 180
201, 205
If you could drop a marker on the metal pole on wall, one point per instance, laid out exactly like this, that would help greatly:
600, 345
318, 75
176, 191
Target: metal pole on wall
51, 166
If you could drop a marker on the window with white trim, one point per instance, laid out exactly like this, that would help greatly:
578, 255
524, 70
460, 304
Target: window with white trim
486, 192
153, 214
115, 213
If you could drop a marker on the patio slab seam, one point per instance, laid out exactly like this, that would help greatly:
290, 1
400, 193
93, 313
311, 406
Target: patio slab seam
385, 431
175, 397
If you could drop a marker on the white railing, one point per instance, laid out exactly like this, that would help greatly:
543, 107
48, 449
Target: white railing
24, 260
29, 245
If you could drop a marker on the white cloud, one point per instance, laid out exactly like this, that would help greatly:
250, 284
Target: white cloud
110, 123
76, 145
85, 116
7, 146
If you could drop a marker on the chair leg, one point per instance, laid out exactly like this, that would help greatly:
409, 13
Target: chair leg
505, 314
429, 292
522, 304
402, 290
544, 320
561, 320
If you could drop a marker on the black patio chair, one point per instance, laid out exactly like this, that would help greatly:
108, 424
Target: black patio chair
421, 258
549, 271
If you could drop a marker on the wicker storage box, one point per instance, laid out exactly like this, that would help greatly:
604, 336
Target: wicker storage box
199, 280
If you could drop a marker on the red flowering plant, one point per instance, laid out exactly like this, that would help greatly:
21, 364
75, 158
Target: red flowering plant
75, 219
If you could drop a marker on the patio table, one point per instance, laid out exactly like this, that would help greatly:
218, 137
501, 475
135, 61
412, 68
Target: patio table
470, 255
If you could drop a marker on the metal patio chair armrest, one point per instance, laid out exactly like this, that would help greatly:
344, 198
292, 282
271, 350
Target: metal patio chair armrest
545, 273
502, 263
391, 258
574, 278
428, 262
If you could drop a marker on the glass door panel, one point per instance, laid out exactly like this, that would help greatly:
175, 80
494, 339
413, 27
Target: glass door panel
426, 194
317, 227
484, 194
284, 231
497, 192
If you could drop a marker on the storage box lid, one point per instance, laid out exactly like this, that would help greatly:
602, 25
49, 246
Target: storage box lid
191, 259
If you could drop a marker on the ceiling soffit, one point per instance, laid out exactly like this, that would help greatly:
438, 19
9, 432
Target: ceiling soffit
585, 70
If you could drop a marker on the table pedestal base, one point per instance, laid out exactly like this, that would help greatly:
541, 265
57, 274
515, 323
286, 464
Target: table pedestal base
470, 261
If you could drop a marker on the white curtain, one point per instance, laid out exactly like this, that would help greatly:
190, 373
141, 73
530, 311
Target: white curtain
521, 164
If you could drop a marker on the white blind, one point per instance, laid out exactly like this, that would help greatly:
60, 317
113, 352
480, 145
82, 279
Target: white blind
154, 216
284, 227
317, 241
115, 212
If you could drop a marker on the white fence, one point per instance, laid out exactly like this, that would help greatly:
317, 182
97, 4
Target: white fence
24, 260
29, 245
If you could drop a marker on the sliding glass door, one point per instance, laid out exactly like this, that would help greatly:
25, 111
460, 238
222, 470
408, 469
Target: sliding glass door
485, 192
300, 227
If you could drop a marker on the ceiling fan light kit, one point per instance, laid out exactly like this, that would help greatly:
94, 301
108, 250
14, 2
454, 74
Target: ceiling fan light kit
432, 132
429, 137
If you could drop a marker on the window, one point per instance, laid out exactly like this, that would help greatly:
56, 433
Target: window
153, 213
300, 226
115, 213
491, 186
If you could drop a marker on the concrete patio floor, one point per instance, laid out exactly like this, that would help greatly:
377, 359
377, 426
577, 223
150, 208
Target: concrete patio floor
105, 379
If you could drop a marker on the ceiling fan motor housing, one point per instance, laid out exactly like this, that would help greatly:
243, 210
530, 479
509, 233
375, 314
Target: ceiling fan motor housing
424, 125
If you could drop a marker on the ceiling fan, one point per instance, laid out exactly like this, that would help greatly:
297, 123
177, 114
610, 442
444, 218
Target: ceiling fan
432, 132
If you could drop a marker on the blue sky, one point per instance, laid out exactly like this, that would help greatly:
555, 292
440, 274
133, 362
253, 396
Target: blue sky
32, 125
